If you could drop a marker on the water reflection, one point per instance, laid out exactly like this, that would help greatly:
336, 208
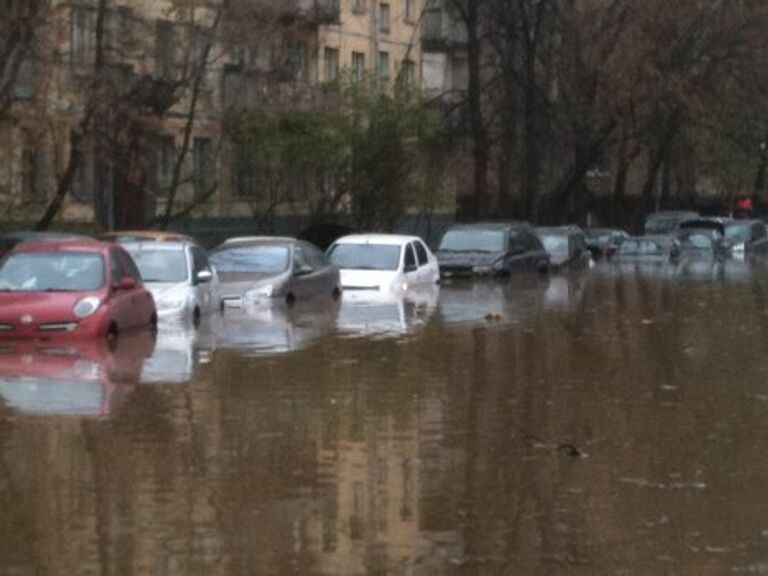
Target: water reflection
612, 423
178, 352
273, 329
77, 377
372, 313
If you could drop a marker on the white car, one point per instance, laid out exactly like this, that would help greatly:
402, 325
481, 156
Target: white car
384, 262
182, 281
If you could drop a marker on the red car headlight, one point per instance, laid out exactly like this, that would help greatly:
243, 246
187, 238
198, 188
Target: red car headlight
86, 306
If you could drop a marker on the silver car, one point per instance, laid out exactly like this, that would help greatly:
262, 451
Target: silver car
183, 282
256, 270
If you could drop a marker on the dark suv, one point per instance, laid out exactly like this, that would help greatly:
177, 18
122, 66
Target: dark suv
491, 249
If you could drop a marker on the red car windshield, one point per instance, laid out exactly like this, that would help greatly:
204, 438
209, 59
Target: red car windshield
52, 272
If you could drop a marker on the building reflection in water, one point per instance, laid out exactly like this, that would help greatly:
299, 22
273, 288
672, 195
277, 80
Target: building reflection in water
600, 430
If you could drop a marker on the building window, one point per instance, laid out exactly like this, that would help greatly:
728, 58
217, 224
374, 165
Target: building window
244, 174
79, 48
358, 66
382, 68
295, 61
384, 17
408, 73
408, 10
30, 174
165, 46
358, 6
331, 64
203, 171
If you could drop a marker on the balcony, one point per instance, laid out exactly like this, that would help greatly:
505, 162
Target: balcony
442, 33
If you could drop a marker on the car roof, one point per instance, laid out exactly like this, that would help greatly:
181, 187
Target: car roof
491, 225
258, 239
167, 246
75, 245
386, 239
560, 230
148, 235
672, 213
652, 238
245, 241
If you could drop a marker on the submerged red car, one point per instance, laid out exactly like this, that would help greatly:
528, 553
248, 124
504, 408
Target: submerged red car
73, 288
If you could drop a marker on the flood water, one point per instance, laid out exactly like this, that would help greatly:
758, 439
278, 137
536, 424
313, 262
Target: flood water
608, 422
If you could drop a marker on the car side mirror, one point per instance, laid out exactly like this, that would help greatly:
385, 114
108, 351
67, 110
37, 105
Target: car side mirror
127, 283
304, 270
204, 276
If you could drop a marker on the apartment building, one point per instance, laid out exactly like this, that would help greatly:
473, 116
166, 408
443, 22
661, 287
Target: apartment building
375, 38
127, 99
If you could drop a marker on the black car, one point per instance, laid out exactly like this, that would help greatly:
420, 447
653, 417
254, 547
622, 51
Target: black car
491, 249
700, 242
566, 246
604, 242
742, 236
667, 221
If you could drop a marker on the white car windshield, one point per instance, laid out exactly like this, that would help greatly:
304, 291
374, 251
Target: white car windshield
52, 272
366, 256
473, 241
252, 259
169, 266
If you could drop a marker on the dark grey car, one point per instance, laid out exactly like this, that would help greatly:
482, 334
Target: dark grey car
491, 249
566, 246
262, 269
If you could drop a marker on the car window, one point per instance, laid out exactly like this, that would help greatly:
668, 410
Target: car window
758, 231
314, 257
299, 258
199, 260
129, 267
410, 257
421, 253
517, 242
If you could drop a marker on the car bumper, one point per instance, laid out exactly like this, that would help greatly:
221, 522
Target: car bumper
93, 326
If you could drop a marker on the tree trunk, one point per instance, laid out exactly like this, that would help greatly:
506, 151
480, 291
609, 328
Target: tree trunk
480, 147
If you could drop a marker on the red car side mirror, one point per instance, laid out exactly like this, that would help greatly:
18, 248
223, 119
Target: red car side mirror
127, 283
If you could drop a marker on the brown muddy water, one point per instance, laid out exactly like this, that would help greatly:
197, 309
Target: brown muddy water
612, 422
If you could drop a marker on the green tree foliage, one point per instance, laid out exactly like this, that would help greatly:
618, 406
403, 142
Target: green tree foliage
368, 151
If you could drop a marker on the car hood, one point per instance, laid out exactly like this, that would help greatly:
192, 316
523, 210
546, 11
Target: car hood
41, 306
368, 279
162, 290
468, 259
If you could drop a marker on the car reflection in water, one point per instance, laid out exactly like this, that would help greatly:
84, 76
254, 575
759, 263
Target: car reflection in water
78, 378
506, 301
179, 350
387, 313
269, 328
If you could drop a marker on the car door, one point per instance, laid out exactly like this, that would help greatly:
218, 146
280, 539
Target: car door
326, 275
306, 278
518, 254
120, 300
137, 297
429, 272
410, 265
206, 291
758, 238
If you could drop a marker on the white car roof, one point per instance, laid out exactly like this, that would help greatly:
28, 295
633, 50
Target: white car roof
386, 239
169, 246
